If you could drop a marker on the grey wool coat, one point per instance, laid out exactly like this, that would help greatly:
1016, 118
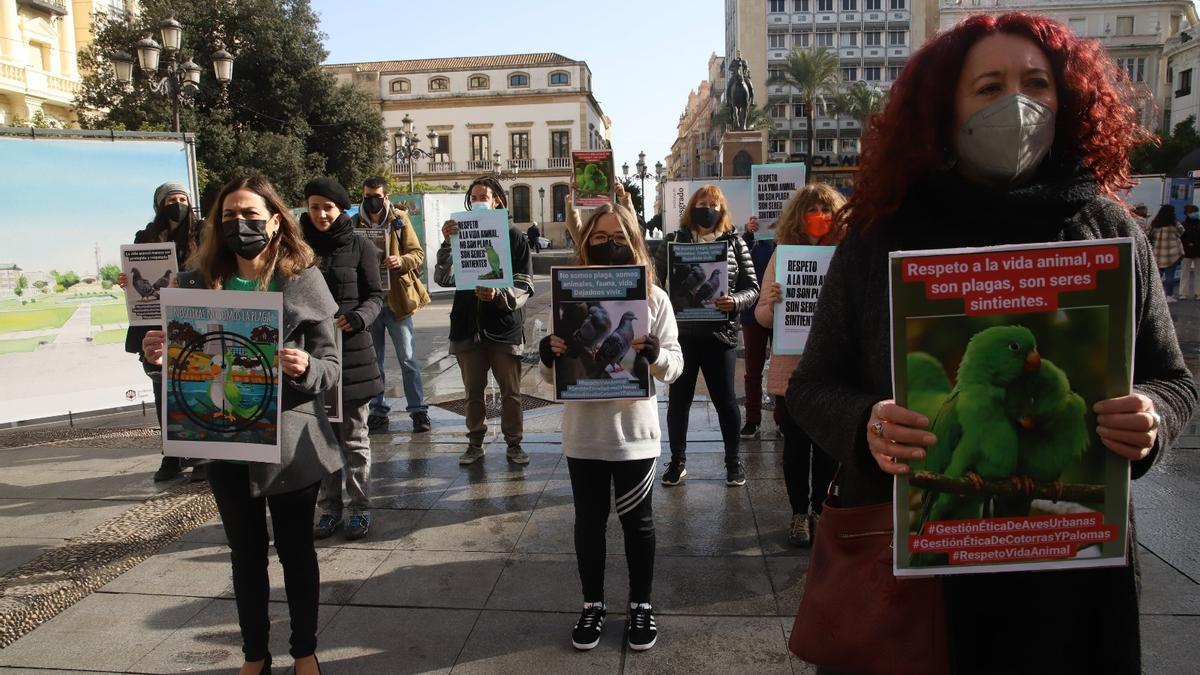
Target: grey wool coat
309, 449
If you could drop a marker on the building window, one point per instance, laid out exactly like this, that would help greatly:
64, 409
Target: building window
520, 204
518, 80
558, 202
849, 5
1135, 68
439, 84
825, 145
894, 73
773, 73
824, 39
798, 110
1078, 26
871, 73
481, 147
1185, 83
778, 145
443, 148
560, 78
800, 146
1124, 25
478, 82
777, 6
116, 9
897, 38
779, 111
560, 144
777, 40
400, 87
520, 145
801, 40
850, 145
800, 6
873, 38
899, 4
1175, 24
824, 5
849, 39
850, 73
872, 5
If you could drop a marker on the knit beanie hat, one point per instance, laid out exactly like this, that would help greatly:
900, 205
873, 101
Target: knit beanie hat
329, 189
166, 190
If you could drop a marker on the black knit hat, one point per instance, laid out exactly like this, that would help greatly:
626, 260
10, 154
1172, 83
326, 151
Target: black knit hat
330, 189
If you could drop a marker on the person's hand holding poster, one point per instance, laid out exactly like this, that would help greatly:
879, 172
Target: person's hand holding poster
773, 185
221, 384
599, 312
1006, 350
699, 274
481, 253
148, 269
800, 273
595, 177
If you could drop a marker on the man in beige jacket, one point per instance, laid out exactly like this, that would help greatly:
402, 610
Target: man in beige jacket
405, 260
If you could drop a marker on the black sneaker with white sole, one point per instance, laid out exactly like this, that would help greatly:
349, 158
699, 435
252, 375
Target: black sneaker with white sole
674, 473
643, 632
586, 633
735, 474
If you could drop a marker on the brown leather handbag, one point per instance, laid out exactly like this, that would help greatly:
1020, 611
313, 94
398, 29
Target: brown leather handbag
855, 615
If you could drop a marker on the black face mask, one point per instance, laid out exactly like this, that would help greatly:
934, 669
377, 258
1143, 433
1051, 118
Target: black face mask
176, 212
610, 253
372, 204
247, 238
704, 217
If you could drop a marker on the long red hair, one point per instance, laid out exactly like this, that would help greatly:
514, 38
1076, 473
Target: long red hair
912, 138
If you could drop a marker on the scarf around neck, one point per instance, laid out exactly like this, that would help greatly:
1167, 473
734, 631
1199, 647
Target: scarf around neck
340, 233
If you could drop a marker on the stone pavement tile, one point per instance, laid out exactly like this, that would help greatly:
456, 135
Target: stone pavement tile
711, 465
16, 551
551, 529
432, 579
1169, 646
1164, 589
541, 465
57, 671
699, 495
550, 582
55, 518
388, 527
33, 483
208, 533
787, 581
531, 642
696, 532
343, 572
799, 666
406, 464
104, 631
211, 641
1166, 524
404, 492
713, 644
773, 512
492, 497
180, 568
103, 460
448, 530
393, 640
731, 585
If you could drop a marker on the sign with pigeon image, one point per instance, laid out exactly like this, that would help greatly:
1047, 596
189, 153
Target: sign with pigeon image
1006, 350
149, 269
480, 251
599, 311
698, 275
379, 238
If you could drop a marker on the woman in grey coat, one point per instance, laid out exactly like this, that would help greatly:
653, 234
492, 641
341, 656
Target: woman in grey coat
253, 244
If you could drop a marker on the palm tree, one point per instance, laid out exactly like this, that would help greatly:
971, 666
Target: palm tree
815, 73
861, 101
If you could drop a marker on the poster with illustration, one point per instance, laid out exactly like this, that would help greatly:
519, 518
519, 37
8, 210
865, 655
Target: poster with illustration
773, 186
698, 275
1006, 350
595, 178
599, 312
379, 238
800, 273
221, 374
148, 269
480, 250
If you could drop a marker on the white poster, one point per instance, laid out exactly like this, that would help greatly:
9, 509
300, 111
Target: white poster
737, 192
773, 186
148, 269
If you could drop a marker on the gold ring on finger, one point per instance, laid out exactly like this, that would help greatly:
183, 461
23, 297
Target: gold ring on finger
878, 429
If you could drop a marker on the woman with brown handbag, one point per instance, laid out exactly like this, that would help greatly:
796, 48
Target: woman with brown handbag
1002, 130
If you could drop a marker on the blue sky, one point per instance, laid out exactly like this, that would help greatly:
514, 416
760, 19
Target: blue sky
105, 195
645, 56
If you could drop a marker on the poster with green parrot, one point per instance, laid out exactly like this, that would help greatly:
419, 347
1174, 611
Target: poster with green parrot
481, 250
595, 179
1006, 350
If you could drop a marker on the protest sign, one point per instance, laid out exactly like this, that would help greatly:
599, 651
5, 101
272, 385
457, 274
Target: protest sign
800, 273
148, 269
698, 275
480, 251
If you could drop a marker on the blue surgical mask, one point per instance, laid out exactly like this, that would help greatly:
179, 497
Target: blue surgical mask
481, 206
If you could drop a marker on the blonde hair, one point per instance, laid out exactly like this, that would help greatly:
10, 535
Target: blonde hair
713, 193
789, 228
633, 232
287, 251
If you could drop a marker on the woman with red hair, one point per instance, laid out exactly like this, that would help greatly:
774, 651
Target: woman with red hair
1002, 130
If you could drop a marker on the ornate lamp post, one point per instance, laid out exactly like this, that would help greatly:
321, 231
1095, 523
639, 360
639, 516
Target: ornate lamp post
498, 170
179, 82
408, 147
642, 174
542, 204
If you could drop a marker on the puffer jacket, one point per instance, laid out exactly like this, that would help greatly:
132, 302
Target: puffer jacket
743, 286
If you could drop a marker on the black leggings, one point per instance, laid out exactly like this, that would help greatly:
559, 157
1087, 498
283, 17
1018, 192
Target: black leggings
798, 451
717, 361
245, 521
592, 484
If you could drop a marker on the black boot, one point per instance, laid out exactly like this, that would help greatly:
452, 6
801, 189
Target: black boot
169, 468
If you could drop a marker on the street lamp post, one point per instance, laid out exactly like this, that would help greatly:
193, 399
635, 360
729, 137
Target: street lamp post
498, 171
408, 147
642, 174
179, 82
542, 204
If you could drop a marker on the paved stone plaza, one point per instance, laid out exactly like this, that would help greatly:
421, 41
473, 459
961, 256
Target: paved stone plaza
472, 569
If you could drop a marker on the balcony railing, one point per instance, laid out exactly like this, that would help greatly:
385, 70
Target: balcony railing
558, 163
479, 165
517, 164
58, 7
400, 167
11, 72
440, 167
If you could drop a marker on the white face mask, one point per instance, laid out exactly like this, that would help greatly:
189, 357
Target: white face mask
1007, 141
481, 206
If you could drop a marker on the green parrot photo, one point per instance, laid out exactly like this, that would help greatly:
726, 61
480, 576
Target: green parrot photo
928, 385
975, 438
493, 258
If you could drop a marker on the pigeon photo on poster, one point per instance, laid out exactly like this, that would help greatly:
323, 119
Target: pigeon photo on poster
699, 274
378, 237
148, 269
599, 312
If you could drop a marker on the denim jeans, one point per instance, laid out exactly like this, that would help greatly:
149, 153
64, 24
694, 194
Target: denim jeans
404, 342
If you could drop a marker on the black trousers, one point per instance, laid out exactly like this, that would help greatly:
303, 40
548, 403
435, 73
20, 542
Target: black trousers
717, 360
799, 454
593, 483
245, 521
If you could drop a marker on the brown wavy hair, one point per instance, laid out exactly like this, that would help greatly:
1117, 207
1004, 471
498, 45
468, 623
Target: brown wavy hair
713, 193
789, 228
910, 141
633, 232
287, 251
